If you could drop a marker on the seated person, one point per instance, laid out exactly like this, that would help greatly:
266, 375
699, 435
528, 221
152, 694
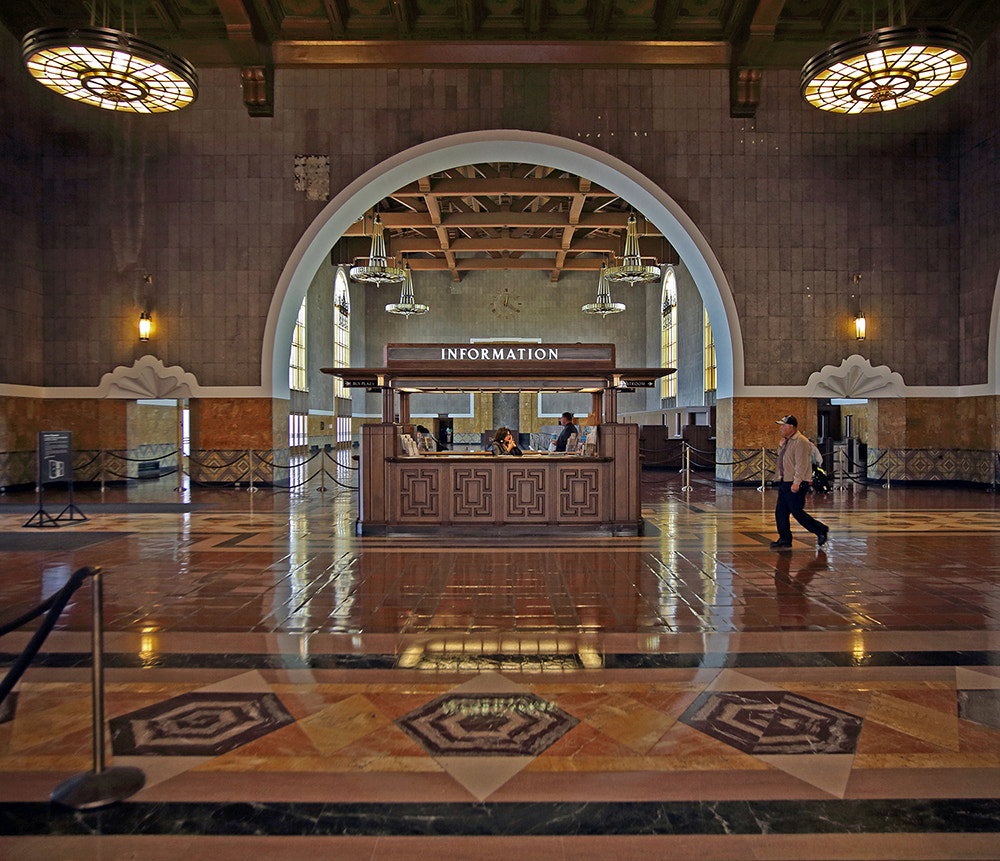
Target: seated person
566, 420
503, 443
425, 440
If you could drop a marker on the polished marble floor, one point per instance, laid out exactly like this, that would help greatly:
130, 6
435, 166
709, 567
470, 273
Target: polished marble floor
293, 690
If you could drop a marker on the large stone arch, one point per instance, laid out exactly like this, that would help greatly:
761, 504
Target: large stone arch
502, 145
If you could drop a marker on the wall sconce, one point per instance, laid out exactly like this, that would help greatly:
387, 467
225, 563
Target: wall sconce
860, 326
145, 326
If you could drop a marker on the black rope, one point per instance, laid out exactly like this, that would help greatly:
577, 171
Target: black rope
341, 465
88, 463
218, 465
290, 466
53, 607
142, 459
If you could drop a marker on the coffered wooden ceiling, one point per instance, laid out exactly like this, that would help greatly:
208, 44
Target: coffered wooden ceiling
749, 37
503, 216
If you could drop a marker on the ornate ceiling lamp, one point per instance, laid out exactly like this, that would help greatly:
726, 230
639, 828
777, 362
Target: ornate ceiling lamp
108, 68
406, 304
886, 69
603, 305
376, 268
632, 269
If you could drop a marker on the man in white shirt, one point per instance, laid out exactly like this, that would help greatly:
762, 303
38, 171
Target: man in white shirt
792, 473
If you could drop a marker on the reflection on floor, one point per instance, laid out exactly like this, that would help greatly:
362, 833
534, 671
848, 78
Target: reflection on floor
293, 690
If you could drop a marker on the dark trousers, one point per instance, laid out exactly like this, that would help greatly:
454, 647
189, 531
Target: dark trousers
793, 504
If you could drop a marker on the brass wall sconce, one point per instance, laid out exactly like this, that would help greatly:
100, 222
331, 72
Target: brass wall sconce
145, 326
860, 326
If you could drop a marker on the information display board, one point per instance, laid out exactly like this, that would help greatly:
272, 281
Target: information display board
55, 463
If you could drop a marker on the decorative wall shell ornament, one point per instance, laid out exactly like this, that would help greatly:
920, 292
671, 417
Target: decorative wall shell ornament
148, 378
855, 377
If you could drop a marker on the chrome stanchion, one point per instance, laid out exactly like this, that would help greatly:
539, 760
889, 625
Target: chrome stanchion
687, 467
322, 471
100, 455
101, 786
763, 470
250, 489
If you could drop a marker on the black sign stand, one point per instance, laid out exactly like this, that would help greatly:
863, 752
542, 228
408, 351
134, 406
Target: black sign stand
55, 463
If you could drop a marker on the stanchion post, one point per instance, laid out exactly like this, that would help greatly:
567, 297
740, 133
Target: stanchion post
100, 456
763, 470
250, 489
322, 471
101, 786
687, 466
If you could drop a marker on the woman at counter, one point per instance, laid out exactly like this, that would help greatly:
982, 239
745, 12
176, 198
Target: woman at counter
503, 443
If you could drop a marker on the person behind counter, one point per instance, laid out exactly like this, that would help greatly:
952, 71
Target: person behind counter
566, 420
425, 440
503, 443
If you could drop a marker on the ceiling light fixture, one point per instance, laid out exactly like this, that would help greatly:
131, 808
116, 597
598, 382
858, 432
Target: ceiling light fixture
376, 268
109, 69
886, 69
406, 305
603, 305
632, 269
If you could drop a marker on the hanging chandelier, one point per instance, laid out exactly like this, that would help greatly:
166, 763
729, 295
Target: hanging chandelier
886, 69
376, 268
632, 269
109, 69
603, 305
406, 306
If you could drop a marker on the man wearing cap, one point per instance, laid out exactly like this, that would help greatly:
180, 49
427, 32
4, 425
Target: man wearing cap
792, 472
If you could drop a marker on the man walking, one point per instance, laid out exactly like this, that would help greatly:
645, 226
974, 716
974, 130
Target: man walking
791, 475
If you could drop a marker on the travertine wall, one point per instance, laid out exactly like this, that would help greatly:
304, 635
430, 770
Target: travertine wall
793, 204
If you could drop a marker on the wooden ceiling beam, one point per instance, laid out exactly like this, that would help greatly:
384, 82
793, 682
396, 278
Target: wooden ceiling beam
436, 54
422, 244
547, 187
487, 220
524, 264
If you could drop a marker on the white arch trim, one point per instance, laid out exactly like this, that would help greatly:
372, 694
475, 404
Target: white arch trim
502, 145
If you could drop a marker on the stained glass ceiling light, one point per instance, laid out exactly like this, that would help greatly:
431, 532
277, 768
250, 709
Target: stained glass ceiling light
109, 69
886, 69
376, 268
632, 269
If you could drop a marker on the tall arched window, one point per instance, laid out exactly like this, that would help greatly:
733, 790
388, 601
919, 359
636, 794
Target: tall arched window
341, 331
668, 333
298, 384
342, 356
710, 361
297, 379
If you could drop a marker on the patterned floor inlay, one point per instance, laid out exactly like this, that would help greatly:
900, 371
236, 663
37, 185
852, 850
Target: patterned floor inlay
772, 722
487, 725
198, 724
982, 707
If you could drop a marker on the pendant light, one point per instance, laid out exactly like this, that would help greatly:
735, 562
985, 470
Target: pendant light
604, 305
376, 268
406, 306
632, 270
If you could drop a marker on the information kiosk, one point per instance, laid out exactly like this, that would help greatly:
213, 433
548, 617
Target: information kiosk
596, 491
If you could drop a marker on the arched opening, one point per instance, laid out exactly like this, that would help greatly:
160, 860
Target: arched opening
502, 145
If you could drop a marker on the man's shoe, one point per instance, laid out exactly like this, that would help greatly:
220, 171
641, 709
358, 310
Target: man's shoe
821, 538
780, 545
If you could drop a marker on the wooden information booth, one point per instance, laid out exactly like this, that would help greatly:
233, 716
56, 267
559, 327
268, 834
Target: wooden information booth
478, 492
